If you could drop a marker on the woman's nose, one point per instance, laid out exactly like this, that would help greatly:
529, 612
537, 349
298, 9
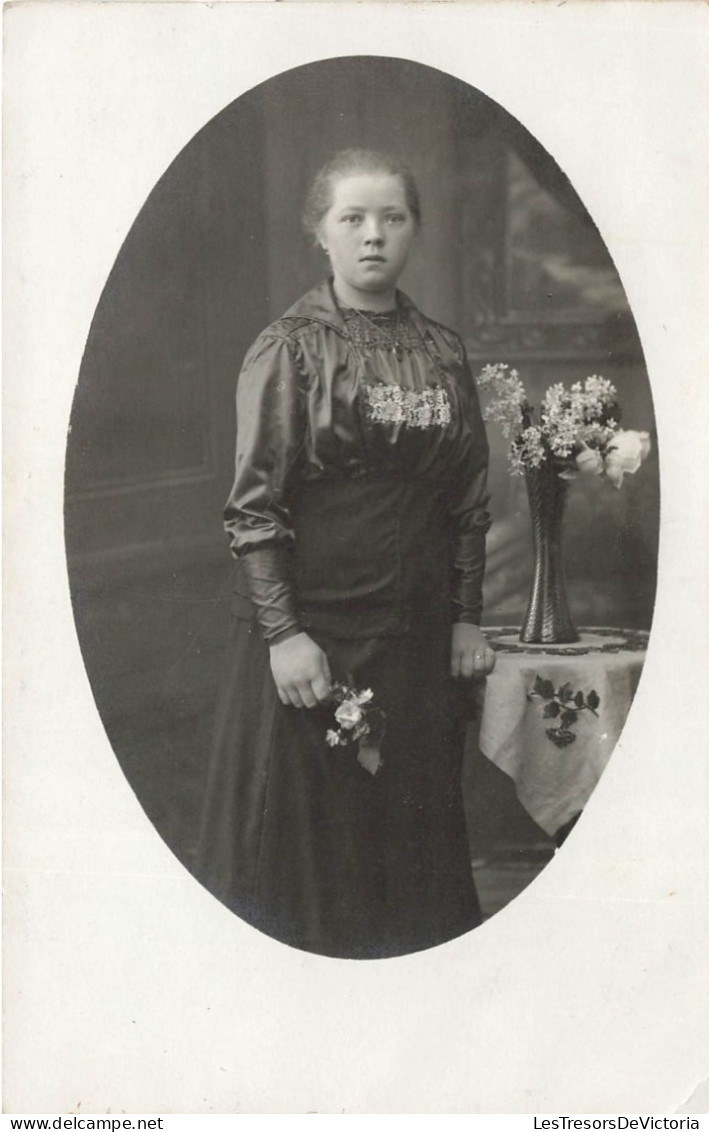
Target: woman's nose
374, 232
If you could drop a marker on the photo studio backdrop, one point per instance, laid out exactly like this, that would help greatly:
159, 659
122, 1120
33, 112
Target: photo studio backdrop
508, 257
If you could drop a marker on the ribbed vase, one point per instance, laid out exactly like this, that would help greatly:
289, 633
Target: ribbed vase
548, 620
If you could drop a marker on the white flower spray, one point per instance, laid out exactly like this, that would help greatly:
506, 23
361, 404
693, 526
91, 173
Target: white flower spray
576, 428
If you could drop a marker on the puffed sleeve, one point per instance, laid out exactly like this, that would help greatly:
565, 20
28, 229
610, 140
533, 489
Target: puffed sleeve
469, 518
269, 439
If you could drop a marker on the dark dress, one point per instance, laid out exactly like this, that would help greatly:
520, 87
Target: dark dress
358, 515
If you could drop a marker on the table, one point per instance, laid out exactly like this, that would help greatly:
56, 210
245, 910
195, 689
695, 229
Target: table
556, 760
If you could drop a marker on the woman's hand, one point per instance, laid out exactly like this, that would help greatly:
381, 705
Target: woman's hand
470, 653
301, 671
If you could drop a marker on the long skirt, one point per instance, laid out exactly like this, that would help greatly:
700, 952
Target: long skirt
307, 845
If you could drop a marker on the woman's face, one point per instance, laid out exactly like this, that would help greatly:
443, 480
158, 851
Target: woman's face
367, 232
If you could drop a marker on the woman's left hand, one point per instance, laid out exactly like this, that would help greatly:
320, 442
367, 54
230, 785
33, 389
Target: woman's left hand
470, 653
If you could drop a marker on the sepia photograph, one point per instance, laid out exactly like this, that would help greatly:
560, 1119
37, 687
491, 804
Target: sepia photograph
341, 724
362, 251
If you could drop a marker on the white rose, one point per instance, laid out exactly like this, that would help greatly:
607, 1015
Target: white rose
589, 461
626, 453
348, 714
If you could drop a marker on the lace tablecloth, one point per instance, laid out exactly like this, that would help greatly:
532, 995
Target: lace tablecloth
528, 737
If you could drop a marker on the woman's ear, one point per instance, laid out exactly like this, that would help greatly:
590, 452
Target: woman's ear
320, 238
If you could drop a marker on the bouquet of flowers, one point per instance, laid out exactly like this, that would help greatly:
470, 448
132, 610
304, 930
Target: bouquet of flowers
358, 722
576, 428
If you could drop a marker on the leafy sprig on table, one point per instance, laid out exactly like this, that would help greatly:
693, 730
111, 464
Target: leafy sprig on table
565, 705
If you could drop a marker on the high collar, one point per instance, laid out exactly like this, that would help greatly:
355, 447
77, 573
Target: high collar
321, 305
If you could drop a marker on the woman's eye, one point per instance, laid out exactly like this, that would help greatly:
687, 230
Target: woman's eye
351, 219
396, 218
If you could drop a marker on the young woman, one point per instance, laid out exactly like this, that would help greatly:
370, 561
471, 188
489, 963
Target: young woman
333, 817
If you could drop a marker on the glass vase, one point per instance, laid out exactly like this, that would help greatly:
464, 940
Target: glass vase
548, 619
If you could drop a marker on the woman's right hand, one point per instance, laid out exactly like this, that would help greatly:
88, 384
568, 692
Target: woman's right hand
301, 671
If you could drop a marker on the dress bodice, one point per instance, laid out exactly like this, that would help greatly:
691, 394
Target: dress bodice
362, 457
411, 415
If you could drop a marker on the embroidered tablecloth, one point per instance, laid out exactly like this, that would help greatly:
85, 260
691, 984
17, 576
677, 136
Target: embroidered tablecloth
554, 782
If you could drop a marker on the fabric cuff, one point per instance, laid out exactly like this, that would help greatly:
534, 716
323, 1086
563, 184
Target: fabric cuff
467, 572
266, 570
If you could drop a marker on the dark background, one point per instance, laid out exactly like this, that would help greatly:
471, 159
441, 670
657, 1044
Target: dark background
508, 257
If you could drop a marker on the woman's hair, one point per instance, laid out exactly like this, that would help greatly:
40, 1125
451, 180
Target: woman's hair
349, 163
